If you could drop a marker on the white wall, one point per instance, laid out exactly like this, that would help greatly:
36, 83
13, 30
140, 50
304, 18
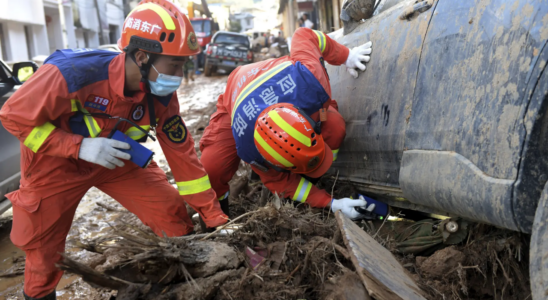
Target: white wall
17, 43
26, 11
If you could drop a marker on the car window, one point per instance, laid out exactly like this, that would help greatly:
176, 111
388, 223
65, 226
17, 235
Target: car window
6, 84
231, 39
203, 26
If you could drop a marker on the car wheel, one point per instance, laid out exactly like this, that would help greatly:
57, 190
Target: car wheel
207, 69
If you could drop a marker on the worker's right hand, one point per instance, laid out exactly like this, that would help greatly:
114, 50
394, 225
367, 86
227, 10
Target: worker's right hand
348, 207
357, 57
102, 151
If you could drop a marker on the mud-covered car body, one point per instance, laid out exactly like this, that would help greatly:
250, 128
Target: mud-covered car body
450, 116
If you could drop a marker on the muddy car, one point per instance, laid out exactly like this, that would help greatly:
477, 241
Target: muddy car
9, 145
227, 51
450, 116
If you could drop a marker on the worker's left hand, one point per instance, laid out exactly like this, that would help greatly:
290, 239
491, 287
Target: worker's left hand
348, 207
357, 58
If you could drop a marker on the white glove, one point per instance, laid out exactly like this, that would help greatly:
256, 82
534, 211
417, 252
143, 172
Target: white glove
347, 206
102, 151
228, 229
356, 57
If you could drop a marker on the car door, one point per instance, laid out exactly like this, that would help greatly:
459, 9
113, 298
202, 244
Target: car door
472, 114
9, 145
377, 105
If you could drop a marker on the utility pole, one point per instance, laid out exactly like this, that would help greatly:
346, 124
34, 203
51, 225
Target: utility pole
206, 9
101, 40
63, 23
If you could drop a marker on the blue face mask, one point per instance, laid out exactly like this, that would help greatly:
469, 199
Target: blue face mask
164, 84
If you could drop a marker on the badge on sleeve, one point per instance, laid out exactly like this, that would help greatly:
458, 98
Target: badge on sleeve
138, 113
175, 129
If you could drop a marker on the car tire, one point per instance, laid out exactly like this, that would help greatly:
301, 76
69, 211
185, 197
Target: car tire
207, 69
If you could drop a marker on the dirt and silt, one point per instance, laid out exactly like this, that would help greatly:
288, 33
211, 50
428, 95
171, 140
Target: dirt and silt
281, 252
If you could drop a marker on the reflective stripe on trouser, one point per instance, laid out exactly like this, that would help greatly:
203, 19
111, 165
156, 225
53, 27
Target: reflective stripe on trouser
335, 154
225, 196
38, 135
193, 186
91, 124
301, 194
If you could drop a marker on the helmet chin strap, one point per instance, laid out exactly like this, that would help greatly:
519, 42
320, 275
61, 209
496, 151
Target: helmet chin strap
144, 69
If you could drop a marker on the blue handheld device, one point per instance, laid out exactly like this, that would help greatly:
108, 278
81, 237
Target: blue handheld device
379, 213
140, 154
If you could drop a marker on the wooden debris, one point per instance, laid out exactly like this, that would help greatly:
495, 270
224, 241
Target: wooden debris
382, 275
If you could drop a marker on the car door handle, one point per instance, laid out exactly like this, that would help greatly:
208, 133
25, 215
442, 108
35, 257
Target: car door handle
416, 8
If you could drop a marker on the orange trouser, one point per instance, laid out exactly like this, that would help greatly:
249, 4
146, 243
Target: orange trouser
220, 158
42, 233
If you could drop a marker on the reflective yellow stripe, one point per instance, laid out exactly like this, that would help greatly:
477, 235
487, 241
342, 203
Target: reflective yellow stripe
321, 40
74, 104
166, 18
223, 197
303, 139
302, 191
137, 134
335, 154
193, 186
257, 82
91, 124
38, 135
271, 151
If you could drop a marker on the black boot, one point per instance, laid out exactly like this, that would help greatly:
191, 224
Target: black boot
224, 206
50, 296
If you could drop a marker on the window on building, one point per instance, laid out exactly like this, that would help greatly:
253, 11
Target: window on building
3, 44
30, 42
113, 34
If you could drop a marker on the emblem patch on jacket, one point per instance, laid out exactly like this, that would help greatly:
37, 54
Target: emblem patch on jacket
97, 102
175, 129
138, 113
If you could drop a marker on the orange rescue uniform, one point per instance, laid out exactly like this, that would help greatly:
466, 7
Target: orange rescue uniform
51, 114
218, 146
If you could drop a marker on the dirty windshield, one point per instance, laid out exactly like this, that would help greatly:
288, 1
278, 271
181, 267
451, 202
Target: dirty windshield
231, 39
201, 27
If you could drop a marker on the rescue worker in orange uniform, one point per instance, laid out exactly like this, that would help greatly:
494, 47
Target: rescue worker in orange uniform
63, 115
278, 116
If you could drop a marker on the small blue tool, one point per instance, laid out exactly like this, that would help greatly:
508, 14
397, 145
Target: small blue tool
140, 154
379, 213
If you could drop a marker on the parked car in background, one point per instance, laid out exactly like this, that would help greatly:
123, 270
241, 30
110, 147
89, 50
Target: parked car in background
258, 40
10, 173
227, 51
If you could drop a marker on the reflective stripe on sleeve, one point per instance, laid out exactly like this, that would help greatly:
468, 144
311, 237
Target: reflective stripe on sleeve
193, 186
301, 194
38, 135
225, 196
321, 40
335, 154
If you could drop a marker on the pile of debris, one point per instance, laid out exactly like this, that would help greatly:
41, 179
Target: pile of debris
288, 252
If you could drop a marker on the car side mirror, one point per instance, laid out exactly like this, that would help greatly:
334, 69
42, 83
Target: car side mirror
23, 70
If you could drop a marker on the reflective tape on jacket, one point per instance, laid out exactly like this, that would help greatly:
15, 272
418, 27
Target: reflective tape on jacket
91, 124
321, 40
301, 194
335, 154
193, 186
38, 135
